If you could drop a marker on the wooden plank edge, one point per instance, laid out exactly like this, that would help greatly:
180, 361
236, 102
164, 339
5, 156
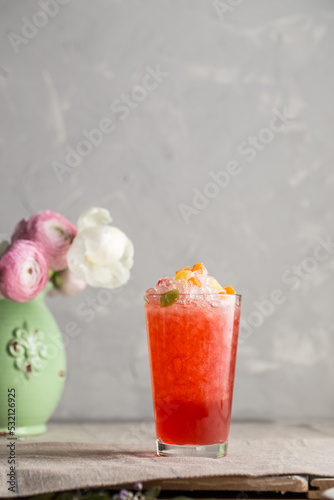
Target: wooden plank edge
282, 484
320, 484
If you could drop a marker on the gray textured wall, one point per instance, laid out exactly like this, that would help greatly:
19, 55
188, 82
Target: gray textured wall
247, 94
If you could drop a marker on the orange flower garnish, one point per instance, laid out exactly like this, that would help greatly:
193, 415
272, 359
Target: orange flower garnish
195, 281
229, 290
199, 267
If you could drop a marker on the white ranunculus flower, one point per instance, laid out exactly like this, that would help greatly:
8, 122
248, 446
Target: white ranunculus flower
100, 254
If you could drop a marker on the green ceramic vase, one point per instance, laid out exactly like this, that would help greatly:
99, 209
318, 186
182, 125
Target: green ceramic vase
32, 366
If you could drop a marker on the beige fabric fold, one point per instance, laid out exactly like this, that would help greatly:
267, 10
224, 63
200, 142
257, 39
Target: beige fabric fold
74, 456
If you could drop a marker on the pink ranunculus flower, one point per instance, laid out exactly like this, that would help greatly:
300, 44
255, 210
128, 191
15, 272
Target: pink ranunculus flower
67, 283
24, 271
20, 230
52, 232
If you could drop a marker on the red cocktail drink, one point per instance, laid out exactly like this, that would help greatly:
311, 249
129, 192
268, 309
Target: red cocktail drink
192, 348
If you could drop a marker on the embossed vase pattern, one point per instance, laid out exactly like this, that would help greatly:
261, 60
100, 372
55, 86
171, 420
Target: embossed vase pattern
32, 362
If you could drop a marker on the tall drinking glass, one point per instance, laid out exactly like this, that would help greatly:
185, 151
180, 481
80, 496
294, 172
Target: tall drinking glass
192, 348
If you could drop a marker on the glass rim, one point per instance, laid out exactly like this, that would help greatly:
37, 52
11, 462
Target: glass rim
181, 294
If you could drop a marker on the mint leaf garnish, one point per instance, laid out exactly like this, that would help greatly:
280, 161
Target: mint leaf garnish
168, 298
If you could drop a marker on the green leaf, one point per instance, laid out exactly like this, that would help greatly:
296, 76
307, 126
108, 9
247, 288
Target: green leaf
44, 496
56, 279
182, 498
168, 298
153, 492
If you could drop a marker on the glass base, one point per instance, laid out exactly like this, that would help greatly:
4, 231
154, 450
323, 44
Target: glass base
173, 450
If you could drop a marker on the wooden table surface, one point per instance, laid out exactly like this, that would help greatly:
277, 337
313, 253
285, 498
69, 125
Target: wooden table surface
288, 457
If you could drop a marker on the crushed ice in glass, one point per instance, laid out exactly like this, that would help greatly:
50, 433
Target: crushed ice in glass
194, 285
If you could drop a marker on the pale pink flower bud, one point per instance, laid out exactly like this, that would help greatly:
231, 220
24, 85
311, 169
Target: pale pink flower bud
23, 271
52, 232
67, 283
